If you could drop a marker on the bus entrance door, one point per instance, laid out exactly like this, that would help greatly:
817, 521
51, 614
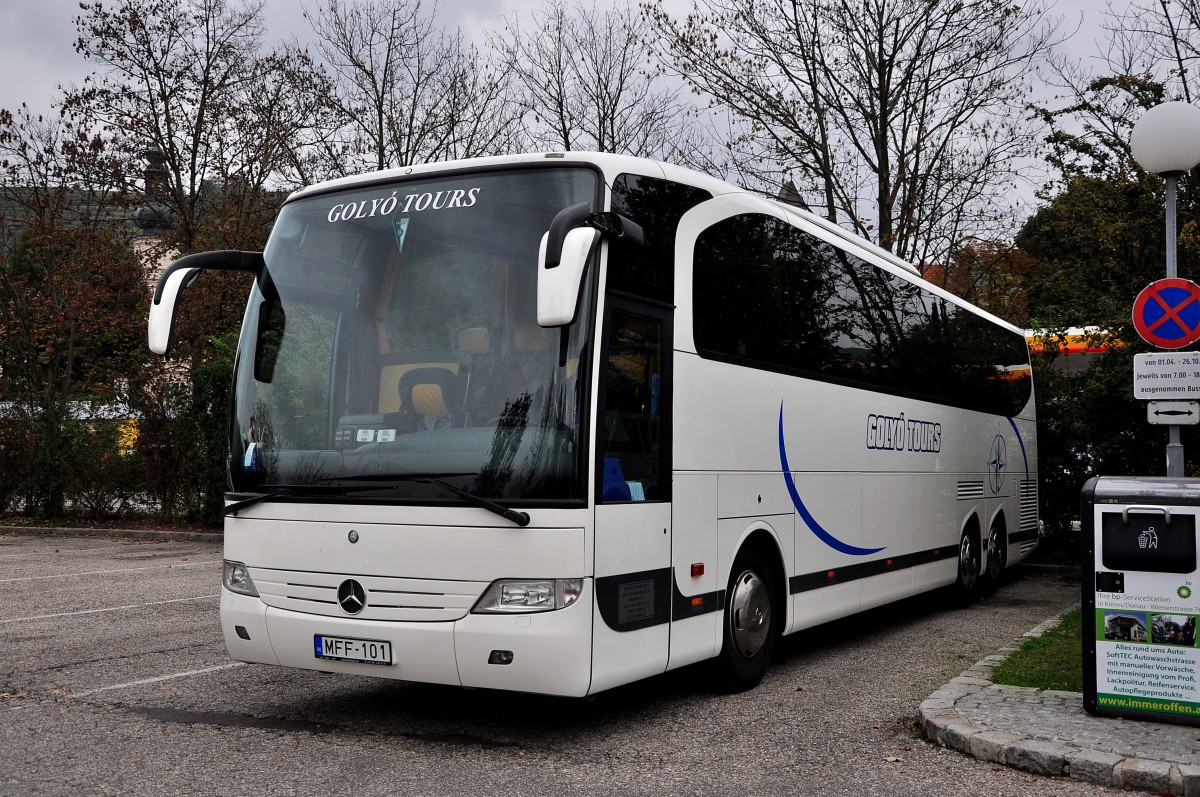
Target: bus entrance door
631, 637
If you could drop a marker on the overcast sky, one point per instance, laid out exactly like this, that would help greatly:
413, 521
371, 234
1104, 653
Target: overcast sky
37, 38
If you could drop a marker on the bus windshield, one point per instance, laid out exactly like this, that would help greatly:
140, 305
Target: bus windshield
391, 346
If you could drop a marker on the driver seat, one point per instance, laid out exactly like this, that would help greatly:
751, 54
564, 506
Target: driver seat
431, 398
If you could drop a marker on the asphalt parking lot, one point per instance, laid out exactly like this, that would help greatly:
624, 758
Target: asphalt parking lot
114, 680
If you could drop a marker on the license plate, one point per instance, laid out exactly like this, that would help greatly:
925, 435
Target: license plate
365, 651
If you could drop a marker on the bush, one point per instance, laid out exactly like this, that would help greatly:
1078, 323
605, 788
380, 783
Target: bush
110, 482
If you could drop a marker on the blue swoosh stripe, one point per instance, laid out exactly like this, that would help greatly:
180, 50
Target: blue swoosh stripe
822, 535
1021, 443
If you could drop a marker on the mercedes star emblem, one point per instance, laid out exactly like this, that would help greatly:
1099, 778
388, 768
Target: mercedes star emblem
352, 597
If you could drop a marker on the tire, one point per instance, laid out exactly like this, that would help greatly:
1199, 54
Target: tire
967, 585
750, 626
997, 554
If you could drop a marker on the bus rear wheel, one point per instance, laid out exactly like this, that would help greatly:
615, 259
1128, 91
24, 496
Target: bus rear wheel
750, 623
966, 586
997, 554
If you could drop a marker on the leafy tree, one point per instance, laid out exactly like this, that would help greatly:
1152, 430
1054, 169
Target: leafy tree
227, 124
991, 275
1100, 239
1096, 244
183, 433
72, 301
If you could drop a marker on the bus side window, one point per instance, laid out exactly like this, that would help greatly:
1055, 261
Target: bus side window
633, 410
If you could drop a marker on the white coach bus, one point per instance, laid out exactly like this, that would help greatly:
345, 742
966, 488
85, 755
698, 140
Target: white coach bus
555, 423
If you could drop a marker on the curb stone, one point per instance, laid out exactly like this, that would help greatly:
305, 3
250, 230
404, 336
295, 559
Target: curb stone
942, 722
146, 535
1038, 757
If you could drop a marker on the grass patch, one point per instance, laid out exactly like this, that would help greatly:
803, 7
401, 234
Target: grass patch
1052, 661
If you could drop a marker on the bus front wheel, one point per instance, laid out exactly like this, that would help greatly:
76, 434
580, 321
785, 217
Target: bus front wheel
750, 622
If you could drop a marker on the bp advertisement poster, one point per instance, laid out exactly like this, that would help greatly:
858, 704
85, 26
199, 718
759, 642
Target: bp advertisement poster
1146, 611
1146, 654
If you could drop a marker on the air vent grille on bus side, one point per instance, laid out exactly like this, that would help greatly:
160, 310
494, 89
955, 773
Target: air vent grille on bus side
970, 491
1029, 506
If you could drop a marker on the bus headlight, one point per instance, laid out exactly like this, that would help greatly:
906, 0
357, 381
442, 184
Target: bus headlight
519, 595
237, 579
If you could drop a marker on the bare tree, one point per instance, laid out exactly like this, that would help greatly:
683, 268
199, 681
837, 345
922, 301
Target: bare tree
1149, 55
406, 91
190, 80
585, 83
1159, 38
283, 132
902, 119
478, 100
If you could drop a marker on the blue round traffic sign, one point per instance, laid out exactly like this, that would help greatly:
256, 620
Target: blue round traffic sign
1167, 313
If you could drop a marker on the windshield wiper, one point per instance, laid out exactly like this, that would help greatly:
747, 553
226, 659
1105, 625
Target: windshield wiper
513, 515
270, 495
516, 516
285, 490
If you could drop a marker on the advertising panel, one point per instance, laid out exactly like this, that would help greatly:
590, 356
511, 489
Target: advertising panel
1140, 602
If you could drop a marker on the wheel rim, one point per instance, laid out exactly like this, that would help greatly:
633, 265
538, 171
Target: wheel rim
749, 614
995, 554
968, 561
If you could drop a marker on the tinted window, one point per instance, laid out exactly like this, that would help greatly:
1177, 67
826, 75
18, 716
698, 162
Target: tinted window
770, 295
633, 409
657, 205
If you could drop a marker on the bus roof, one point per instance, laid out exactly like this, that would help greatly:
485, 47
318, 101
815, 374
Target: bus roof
609, 164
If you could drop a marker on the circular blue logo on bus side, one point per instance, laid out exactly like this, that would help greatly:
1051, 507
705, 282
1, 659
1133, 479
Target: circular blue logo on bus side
998, 463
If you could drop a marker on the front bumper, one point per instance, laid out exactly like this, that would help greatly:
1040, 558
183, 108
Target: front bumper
551, 651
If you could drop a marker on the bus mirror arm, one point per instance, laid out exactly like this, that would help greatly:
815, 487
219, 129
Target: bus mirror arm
614, 225
564, 254
564, 222
180, 275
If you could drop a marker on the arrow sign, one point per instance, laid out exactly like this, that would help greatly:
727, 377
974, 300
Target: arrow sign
1171, 413
1167, 313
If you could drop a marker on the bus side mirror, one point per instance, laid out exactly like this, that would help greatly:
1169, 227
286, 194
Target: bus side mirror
162, 309
558, 286
563, 258
180, 275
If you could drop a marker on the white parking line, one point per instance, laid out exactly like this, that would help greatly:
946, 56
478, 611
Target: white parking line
59, 551
110, 572
157, 679
108, 609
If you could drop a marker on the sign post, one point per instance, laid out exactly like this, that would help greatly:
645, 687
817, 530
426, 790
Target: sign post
1163, 142
1167, 314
